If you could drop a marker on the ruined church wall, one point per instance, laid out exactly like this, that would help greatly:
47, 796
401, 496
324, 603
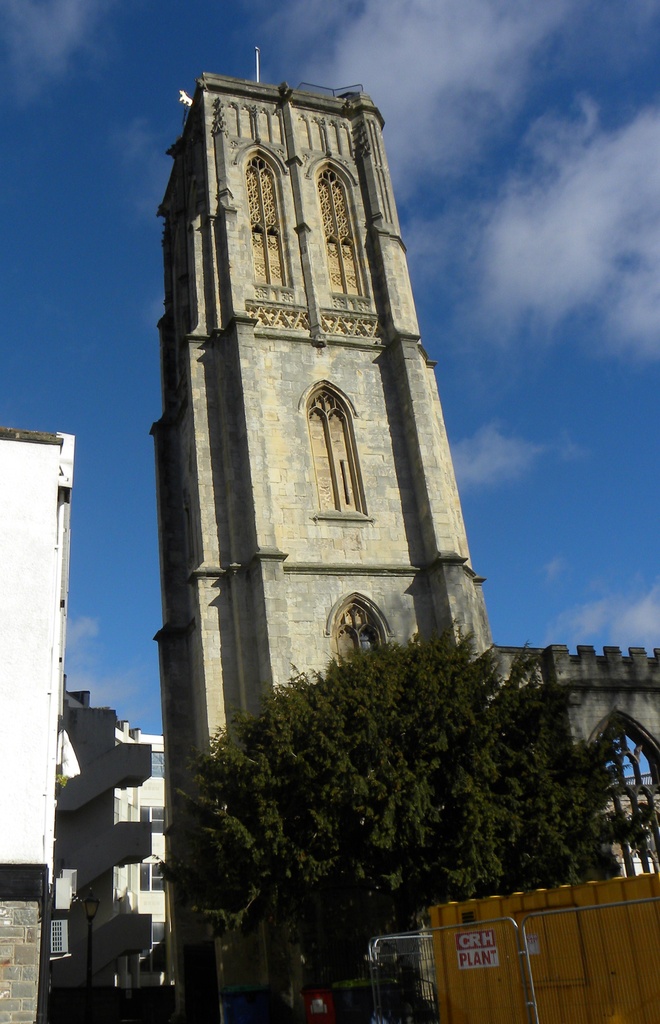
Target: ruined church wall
602, 685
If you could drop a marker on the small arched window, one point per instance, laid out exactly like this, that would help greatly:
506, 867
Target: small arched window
356, 628
334, 454
264, 221
339, 242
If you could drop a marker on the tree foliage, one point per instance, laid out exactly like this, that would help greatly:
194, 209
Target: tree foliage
416, 771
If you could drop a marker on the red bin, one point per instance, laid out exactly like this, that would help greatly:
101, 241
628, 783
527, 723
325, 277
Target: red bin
319, 1005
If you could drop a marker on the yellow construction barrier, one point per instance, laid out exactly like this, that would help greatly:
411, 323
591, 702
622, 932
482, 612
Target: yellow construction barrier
582, 954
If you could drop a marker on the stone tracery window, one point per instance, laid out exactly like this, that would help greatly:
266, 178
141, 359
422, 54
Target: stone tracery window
356, 629
639, 795
334, 454
264, 220
339, 242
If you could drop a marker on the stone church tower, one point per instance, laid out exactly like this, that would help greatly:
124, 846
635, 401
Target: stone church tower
306, 495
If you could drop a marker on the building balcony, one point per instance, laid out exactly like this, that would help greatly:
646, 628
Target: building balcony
126, 764
127, 842
121, 936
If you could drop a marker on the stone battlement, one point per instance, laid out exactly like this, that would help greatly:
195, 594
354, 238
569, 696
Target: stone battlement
587, 668
601, 684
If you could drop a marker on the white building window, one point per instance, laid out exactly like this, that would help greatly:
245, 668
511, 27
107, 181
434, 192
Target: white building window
151, 878
155, 816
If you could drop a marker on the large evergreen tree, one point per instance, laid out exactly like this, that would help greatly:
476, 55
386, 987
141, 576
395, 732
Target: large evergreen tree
415, 771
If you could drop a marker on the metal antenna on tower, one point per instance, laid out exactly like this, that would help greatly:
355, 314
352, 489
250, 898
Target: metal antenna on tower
257, 57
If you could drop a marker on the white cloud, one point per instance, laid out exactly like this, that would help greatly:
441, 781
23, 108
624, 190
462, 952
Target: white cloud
445, 72
579, 234
569, 450
555, 568
491, 458
147, 167
131, 690
448, 74
39, 37
634, 615
78, 634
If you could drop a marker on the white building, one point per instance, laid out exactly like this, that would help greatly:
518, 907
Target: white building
110, 825
146, 879
36, 476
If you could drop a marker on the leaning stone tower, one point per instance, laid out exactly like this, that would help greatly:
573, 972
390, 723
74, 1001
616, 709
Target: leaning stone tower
306, 495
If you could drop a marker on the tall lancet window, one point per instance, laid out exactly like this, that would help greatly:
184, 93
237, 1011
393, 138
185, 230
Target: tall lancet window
339, 242
333, 450
266, 235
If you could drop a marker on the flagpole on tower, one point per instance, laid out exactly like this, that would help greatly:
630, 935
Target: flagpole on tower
257, 57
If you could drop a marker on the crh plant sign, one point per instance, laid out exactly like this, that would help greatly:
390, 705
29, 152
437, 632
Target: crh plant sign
476, 948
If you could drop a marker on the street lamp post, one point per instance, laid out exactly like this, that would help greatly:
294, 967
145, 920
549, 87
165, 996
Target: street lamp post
91, 905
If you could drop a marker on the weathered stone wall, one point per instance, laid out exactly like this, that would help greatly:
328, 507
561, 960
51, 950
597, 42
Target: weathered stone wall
20, 935
251, 565
602, 685
608, 683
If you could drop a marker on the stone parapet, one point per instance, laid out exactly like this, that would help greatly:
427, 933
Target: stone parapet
601, 685
587, 668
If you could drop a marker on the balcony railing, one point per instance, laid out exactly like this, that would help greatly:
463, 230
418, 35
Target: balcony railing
647, 780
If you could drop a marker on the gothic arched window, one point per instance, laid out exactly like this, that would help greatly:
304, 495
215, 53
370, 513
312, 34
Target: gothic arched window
356, 628
339, 242
638, 795
266, 235
334, 454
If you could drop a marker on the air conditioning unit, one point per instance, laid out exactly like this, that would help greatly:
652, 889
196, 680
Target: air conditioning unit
59, 936
65, 888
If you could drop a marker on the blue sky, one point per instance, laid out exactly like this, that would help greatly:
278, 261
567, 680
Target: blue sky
524, 140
